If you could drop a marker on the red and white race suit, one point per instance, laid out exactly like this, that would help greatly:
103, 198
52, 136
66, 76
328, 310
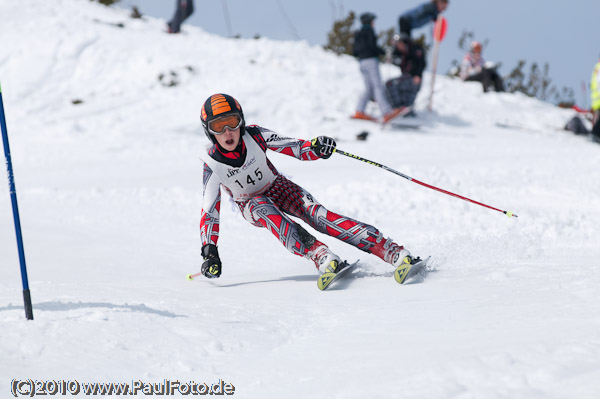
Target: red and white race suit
267, 199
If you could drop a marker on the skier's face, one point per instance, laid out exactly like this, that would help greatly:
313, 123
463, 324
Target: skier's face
229, 139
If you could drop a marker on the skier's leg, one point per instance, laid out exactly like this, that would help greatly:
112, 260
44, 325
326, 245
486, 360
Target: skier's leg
405, 91
414, 90
189, 10
486, 79
477, 77
176, 21
498, 82
367, 94
361, 235
298, 202
262, 212
371, 68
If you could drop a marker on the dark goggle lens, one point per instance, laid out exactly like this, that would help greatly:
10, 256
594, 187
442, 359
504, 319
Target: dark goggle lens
217, 126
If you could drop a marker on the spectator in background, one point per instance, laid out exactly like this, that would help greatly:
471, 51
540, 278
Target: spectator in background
474, 69
367, 51
420, 15
184, 9
595, 97
409, 56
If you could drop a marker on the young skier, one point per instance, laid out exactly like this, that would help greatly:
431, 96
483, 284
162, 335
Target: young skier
236, 160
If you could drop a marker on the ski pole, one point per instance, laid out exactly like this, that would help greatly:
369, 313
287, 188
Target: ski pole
190, 277
337, 150
15, 208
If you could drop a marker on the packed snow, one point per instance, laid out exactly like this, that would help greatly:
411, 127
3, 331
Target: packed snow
109, 183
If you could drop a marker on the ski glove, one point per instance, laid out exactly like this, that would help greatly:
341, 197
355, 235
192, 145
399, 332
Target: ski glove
323, 146
211, 268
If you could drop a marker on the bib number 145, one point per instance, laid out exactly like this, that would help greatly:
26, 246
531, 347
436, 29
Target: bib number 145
250, 180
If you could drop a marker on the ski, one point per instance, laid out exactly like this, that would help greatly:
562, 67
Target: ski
406, 271
404, 120
326, 279
401, 114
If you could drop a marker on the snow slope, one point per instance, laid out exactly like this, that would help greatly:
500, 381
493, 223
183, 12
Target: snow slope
110, 197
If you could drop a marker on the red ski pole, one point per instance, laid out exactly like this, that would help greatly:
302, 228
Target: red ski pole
337, 150
190, 277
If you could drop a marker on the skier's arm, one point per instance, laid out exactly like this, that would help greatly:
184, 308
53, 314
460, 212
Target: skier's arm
303, 150
324, 146
211, 267
209, 224
211, 205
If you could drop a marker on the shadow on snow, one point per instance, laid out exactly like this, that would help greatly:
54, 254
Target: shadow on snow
57, 306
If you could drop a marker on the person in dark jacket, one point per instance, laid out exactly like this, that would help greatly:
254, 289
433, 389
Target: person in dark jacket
409, 56
367, 51
184, 8
420, 15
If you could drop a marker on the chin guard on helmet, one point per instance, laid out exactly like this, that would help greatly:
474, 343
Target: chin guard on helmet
216, 107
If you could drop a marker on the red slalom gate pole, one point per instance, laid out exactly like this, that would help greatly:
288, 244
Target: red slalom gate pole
507, 213
439, 32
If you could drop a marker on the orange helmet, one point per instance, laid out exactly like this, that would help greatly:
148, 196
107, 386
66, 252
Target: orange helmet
218, 106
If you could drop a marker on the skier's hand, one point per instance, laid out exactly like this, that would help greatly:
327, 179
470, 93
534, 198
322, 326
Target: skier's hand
323, 146
211, 268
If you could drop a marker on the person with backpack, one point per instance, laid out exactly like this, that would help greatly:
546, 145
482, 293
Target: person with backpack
420, 16
474, 69
236, 161
367, 51
410, 57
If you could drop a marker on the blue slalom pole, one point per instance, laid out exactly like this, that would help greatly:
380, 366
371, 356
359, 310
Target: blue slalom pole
15, 208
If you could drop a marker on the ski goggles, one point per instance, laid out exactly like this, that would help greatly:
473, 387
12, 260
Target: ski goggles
232, 121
